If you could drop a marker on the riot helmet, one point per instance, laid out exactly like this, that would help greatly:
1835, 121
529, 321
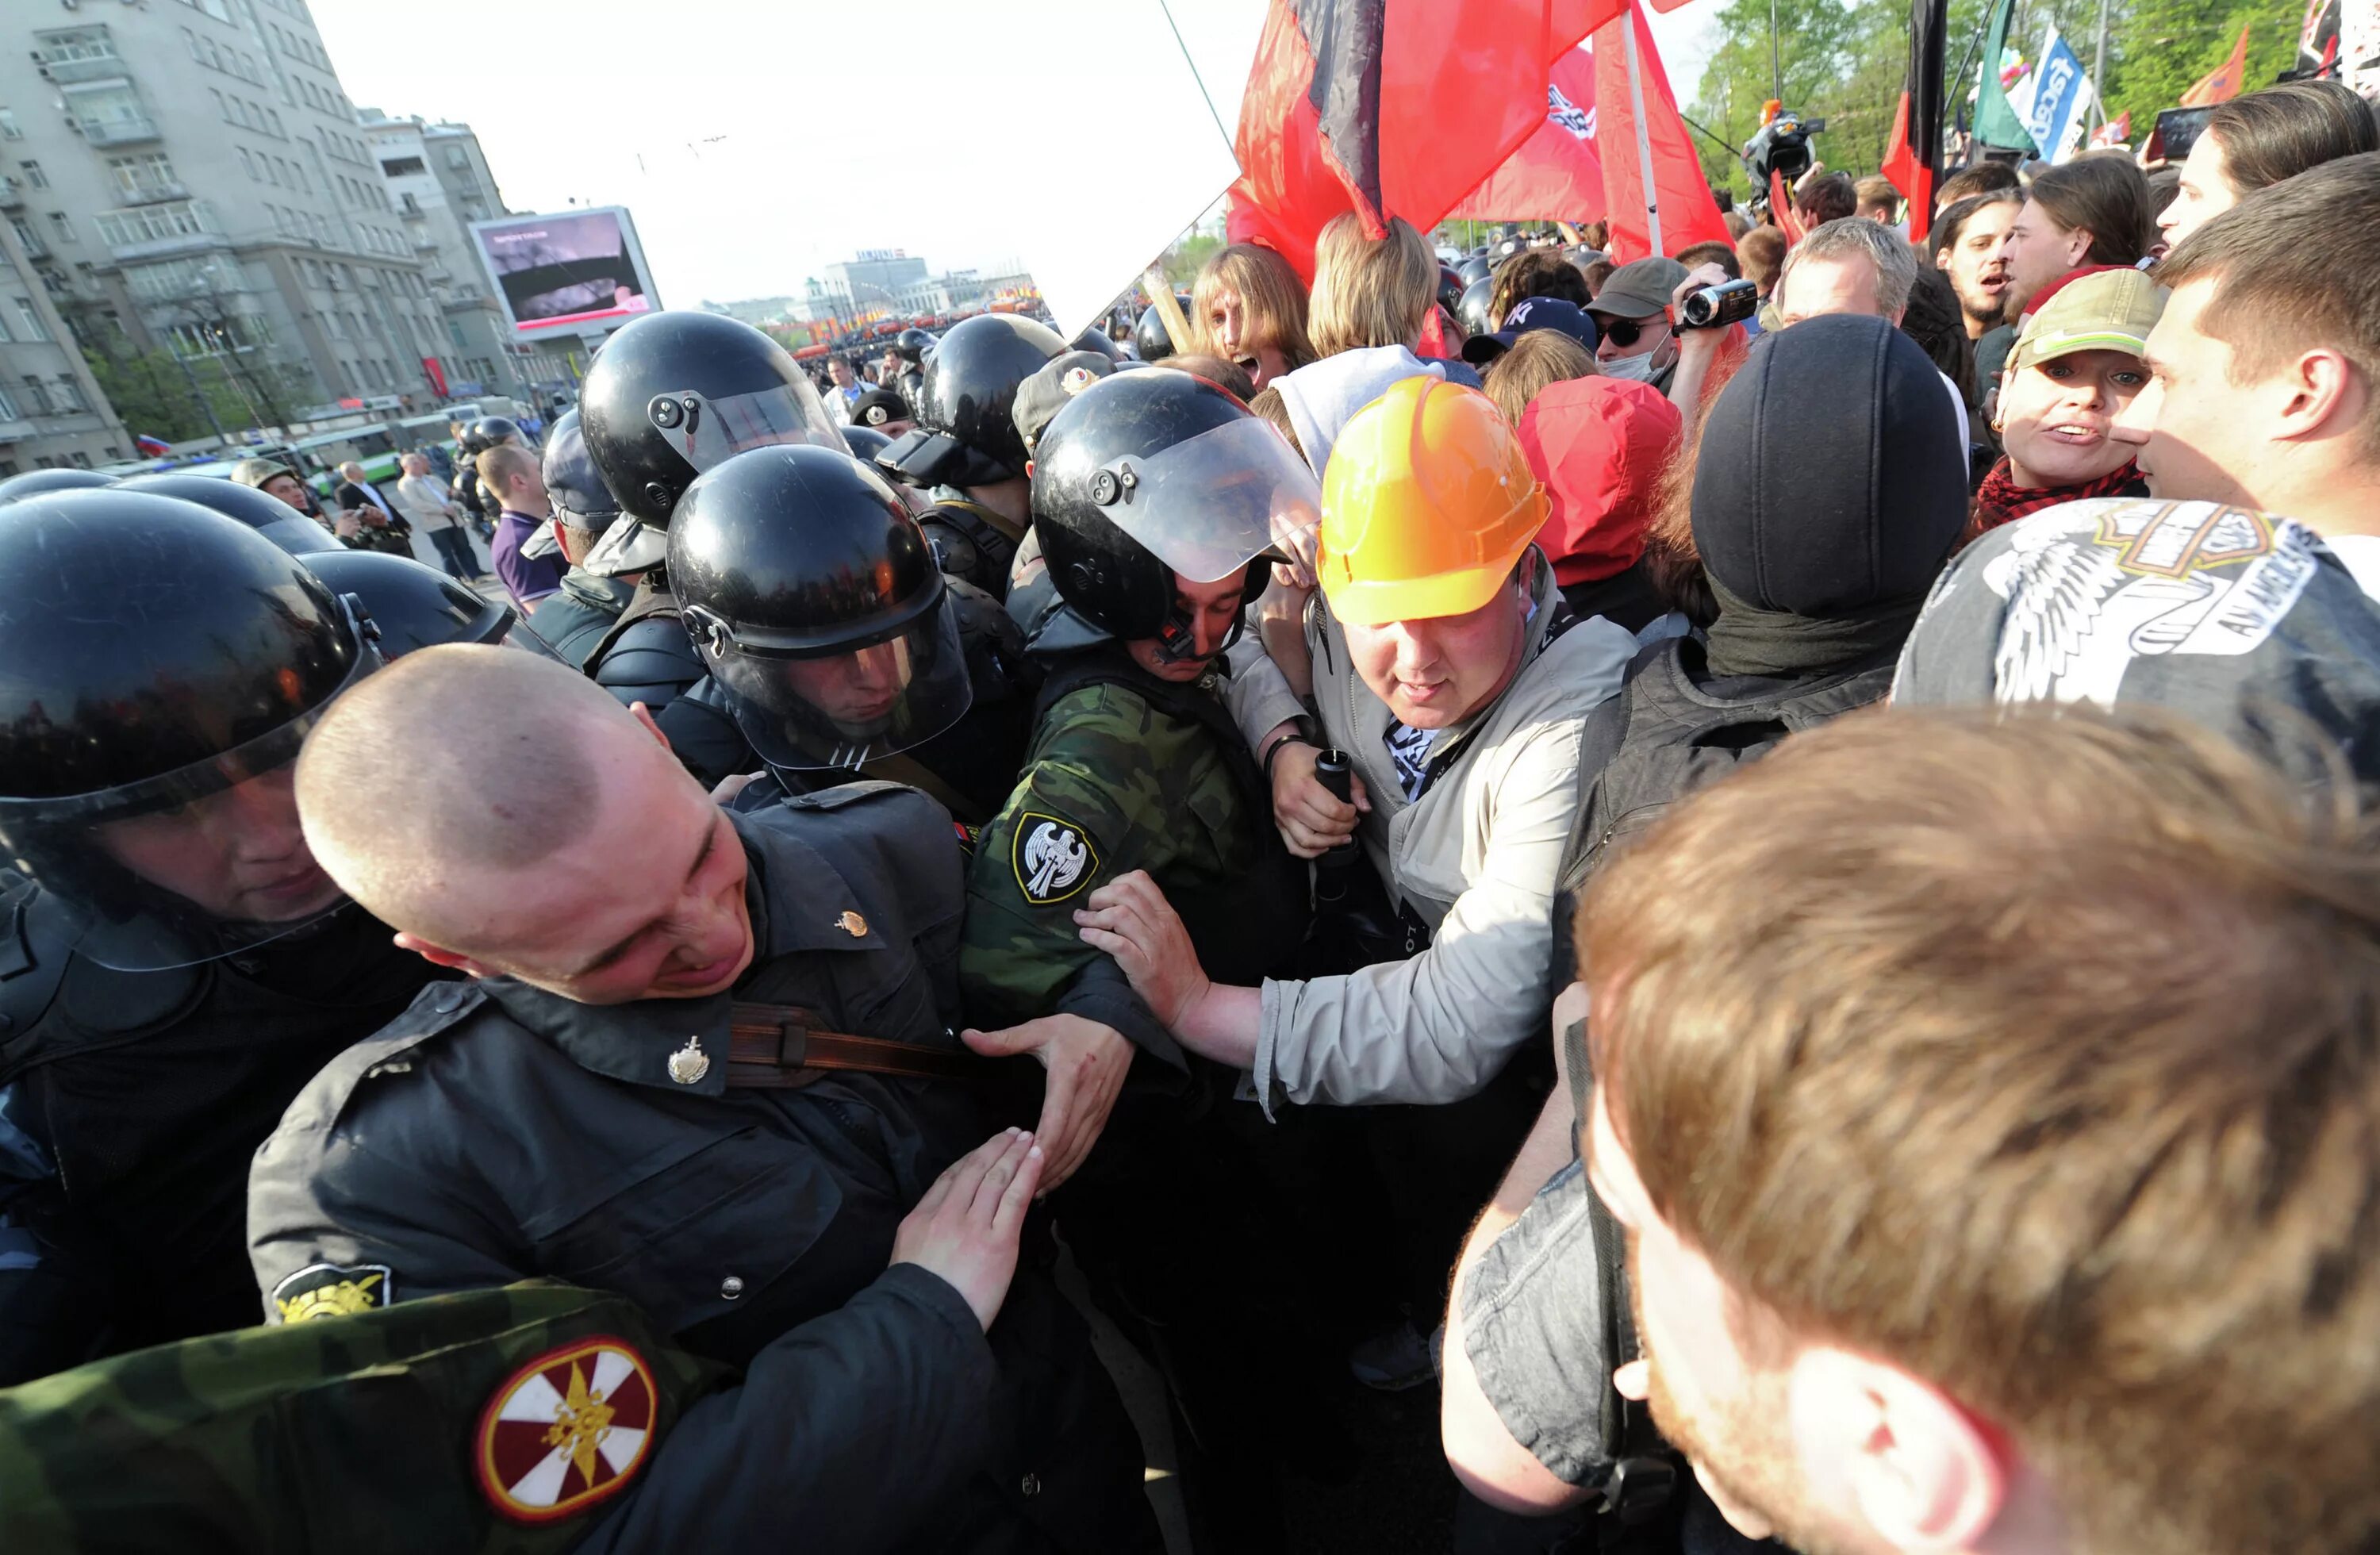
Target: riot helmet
1147, 475
494, 431
403, 605
165, 664
33, 482
817, 604
1474, 311
580, 498
269, 516
1149, 336
911, 346
671, 394
1450, 287
865, 442
966, 433
1096, 339
1474, 269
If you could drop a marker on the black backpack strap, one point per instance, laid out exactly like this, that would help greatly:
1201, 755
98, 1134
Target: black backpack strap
1643, 1477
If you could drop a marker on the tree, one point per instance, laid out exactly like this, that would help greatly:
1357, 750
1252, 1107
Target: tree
2166, 45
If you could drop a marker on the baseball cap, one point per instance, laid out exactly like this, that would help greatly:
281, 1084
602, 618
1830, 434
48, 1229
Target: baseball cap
1046, 393
877, 406
1532, 312
1639, 288
2110, 309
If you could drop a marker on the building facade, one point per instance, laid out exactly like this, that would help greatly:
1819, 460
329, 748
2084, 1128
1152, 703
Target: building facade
52, 412
194, 180
441, 181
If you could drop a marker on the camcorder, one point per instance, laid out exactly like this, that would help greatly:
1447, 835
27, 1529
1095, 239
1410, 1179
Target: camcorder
1730, 302
1783, 147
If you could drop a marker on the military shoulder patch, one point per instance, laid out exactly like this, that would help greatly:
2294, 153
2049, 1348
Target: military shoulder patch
332, 1290
568, 1429
1053, 857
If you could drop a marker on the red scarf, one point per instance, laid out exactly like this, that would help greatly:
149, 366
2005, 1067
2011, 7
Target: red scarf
2002, 501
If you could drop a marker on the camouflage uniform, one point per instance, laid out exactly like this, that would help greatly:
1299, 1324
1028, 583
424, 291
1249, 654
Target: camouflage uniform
1125, 772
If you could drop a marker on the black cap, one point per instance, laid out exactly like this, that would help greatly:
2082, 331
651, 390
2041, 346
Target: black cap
877, 406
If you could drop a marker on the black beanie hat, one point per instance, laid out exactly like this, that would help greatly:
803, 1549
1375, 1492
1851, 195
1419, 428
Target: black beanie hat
1830, 478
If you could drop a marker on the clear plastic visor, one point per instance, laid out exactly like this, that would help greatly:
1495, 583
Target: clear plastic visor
707, 432
1208, 505
841, 709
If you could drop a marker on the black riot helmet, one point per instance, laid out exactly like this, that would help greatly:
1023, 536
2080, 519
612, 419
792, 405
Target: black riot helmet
33, 482
491, 431
671, 394
1450, 286
1474, 269
966, 433
1094, 338
817, 604
865, 442
580, 498
270, 517
404, 606
1472, 309
911, 345
165, 662
1149, 336
1144, 476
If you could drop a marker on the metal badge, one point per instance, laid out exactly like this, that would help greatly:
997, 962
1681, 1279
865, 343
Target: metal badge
852, 924
689, 1063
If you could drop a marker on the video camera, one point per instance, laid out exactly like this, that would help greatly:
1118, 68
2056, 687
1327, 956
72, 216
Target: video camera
1783, 147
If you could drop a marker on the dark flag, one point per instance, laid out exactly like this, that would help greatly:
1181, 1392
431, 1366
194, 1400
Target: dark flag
1914, 160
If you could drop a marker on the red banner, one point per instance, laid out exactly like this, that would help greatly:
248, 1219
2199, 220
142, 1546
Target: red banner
1556, 175
437, 376
1680, 194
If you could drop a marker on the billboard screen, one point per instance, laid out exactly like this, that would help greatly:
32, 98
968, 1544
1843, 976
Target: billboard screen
573, 268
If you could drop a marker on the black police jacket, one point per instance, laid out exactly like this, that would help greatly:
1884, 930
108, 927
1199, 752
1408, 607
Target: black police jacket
495, 1133
574, 618
645, 655
134, 1100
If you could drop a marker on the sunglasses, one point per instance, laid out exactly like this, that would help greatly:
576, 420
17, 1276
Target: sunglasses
1625, 332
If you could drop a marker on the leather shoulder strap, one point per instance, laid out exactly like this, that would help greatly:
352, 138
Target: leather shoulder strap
774, 1047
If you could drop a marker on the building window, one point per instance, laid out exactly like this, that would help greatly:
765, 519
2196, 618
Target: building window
63, 224
31, 319
9, 129
180, 218
154, 173
8, 411
34, 176
73, 43
69, 393
37, 395
401, 166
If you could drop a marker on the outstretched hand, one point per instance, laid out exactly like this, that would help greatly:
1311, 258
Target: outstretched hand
1086, 1063
966, 1227
1130, 919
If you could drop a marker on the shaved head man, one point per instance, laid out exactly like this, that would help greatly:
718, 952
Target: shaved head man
546, 832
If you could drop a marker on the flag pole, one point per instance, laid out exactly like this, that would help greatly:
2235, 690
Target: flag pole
1644, 139
2099, 67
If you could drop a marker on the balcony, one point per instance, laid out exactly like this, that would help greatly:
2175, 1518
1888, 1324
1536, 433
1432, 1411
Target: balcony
82, 72
31, 242
167, 247
150, 194
125, 129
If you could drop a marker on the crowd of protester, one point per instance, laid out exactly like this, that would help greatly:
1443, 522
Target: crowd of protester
1785, 913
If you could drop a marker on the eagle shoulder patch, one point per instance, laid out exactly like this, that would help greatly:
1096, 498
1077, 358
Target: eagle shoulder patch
332, 1290
568, 1429
1053, 857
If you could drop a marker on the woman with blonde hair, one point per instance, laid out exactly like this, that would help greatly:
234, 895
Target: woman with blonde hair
1370, 291
1248, 307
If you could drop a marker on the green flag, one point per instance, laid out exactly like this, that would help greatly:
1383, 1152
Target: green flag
1995, 122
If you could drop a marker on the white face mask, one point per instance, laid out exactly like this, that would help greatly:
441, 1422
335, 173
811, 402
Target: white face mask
1637, 368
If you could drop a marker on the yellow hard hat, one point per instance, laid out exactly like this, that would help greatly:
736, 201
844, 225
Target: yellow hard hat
1427, 503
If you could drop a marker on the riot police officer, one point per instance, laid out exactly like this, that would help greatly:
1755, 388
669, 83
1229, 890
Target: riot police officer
670, 395
965, 451
407, 605
268, 516
33, 482
910, 348
173, 966
576, 616
836, 647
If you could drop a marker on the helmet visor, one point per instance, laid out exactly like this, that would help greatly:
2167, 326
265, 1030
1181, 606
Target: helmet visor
839, 709
1209, 504
192, 864
707, 432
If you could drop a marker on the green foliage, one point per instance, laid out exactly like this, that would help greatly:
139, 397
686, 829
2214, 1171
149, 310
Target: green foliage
1847, 61
1182, 261
153, 397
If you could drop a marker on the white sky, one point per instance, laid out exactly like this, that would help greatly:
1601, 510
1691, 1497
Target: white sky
756, 140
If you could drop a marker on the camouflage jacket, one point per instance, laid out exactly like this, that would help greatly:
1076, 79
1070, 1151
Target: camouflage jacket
1124, 772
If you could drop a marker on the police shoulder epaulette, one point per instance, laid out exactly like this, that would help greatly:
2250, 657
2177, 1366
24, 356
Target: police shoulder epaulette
844, 794
393, 1051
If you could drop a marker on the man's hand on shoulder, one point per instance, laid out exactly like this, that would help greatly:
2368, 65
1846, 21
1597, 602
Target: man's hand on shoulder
1087, 1062
965, 1229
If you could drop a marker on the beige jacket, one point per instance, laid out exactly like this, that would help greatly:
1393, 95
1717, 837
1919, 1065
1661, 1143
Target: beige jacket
1476, 858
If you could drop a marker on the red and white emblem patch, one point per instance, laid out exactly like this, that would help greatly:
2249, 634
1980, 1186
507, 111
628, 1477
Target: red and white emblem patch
567, 1430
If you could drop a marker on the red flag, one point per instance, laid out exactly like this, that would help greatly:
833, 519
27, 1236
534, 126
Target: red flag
1681, 196
1910, 175
1388, 107
1555, 175
2222, 83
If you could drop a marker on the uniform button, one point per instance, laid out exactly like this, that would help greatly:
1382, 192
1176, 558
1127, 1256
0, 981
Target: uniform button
1031, 1484
731, 1287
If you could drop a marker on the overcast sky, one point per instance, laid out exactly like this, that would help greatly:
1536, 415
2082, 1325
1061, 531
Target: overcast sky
756, 140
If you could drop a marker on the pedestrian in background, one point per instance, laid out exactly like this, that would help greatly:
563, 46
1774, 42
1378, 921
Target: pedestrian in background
424, 502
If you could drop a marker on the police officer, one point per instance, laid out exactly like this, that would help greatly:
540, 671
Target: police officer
465, 488
575, 617
1157, 498
670, 395
909, 350
638, 1091
965, 450
406, 604
836, 647
33, 482
173, 964
269, 516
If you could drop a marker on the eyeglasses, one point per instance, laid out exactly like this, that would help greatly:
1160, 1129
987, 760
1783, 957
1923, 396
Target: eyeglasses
1624, 332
